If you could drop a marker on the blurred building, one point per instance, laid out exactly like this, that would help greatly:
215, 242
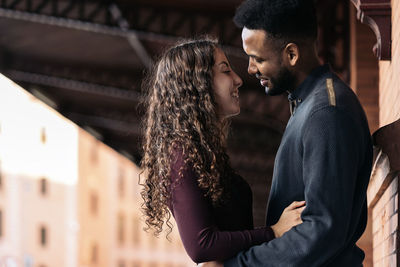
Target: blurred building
66, 199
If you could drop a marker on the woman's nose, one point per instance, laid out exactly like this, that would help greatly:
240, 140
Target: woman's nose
238, 81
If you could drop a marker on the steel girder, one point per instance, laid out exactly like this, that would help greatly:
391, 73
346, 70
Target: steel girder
147, 22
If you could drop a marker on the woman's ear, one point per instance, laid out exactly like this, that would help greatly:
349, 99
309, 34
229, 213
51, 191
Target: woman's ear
291, 54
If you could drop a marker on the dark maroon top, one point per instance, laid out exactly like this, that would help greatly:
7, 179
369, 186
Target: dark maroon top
213, 233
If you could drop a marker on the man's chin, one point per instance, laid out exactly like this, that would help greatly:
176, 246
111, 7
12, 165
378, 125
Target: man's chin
272, 91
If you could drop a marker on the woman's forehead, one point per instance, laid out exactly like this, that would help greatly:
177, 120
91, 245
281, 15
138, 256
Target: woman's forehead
219, 55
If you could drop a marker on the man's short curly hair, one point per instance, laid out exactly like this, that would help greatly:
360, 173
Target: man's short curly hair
281, 19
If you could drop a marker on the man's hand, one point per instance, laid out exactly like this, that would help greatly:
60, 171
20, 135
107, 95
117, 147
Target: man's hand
212, 264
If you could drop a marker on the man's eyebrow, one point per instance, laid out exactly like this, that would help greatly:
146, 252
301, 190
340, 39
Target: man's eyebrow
254, 56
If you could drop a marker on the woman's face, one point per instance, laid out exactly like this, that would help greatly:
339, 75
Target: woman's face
226, 85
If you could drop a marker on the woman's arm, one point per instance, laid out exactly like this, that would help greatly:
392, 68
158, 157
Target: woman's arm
200, 235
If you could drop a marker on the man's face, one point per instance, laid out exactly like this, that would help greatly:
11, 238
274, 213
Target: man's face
265, 62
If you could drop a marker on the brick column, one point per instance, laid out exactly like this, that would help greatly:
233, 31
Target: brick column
383, 196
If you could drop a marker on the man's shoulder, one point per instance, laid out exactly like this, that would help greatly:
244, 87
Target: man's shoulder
331, 91
333, 100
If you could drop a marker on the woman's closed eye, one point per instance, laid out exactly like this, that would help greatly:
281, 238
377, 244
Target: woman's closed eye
224, 67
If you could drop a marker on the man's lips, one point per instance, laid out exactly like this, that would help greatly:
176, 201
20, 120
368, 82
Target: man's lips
264, 82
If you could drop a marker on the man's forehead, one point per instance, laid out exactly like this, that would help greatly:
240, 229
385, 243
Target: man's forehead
254, 42
249, 34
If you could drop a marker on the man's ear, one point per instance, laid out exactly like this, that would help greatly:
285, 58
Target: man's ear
291, 54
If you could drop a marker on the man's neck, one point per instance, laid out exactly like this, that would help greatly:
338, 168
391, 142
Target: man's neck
306, 68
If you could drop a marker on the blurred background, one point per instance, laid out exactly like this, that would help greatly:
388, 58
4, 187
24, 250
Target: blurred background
70, 123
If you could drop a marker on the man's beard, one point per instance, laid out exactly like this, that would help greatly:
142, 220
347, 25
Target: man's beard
283, 82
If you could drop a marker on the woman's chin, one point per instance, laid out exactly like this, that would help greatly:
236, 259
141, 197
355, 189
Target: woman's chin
231, 114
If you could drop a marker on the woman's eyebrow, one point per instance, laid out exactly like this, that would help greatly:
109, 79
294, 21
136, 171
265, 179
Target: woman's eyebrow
224, 63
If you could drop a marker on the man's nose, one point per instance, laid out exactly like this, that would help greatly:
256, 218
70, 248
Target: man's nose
251, 69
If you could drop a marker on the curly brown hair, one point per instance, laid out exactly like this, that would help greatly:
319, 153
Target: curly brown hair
181, 113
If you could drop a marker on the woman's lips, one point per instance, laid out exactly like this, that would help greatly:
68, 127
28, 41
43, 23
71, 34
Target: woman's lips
235, 95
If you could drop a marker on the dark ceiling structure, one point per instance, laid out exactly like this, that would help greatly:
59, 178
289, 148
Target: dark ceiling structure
87, 59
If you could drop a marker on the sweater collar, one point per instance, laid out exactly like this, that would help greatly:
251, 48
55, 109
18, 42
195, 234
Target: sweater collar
304, 89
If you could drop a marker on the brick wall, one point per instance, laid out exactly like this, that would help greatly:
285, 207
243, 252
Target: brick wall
389, 82
382, 107
364, 76
383, 202
383, 190
385, 222
364, 79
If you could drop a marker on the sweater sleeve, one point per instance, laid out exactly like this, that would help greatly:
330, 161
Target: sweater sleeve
333, 150
200, 235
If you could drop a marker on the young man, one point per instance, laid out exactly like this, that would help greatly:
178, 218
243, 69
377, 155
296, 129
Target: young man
325, 155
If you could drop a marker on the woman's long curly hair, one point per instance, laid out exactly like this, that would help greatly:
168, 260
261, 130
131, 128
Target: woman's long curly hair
181, 113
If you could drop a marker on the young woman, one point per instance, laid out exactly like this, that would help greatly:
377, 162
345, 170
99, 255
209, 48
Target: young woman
191, 94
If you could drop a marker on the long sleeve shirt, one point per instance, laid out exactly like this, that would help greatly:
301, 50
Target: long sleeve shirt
212, 233
325, 158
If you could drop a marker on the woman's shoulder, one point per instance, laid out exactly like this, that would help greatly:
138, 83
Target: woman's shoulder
240, 186
178, 157
237, 178
180, 166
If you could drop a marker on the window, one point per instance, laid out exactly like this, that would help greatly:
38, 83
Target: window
1, 177
135, 230
153, 242
94, 254
43, 135
43, 236
93, 203
121, 229
135, 188
1, 223
43, 186
121, 184
94, 153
